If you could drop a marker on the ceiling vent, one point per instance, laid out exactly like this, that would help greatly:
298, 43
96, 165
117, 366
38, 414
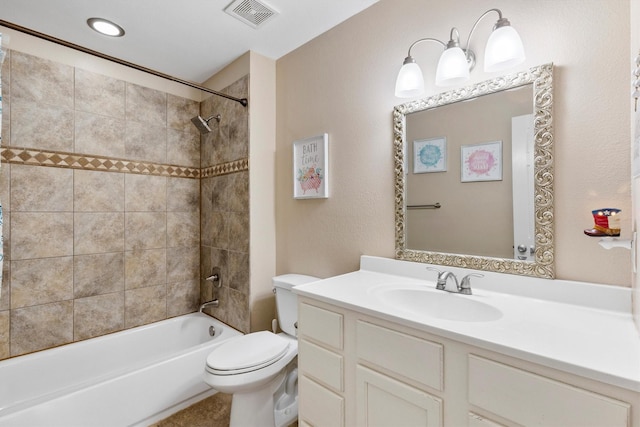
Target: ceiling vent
252, 12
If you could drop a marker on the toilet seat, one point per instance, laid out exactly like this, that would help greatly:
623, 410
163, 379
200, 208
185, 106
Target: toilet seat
246, 353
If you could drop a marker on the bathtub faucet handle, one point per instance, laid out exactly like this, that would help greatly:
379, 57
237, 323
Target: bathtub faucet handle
215, 277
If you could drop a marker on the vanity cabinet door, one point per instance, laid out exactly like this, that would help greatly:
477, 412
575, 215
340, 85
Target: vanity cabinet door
318, 406
321, 366
384, 401
533, 400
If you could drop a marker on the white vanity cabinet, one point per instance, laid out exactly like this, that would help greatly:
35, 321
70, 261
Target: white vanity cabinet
361, 370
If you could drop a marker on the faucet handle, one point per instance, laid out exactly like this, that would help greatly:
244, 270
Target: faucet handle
465, 285
441, 283
436, 270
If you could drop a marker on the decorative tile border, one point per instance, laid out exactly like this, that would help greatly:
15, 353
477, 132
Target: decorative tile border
225, 168
35, 157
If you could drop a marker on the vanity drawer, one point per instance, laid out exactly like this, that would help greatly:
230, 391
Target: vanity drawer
318, 405
321, 364
321, 325
530, 399
406, 355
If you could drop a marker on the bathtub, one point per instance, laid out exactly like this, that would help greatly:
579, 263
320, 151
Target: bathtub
130, 378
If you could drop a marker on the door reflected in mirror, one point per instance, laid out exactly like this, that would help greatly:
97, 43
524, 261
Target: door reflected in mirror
474, 176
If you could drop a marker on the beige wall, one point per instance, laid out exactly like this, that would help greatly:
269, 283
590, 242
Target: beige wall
635, 129
342, 83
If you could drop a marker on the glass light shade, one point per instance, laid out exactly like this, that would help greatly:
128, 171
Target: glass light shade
453, 67
410, 82
504, 50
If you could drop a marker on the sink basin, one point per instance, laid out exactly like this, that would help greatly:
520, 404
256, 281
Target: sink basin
423, 301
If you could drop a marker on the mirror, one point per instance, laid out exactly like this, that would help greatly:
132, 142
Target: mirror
474, 176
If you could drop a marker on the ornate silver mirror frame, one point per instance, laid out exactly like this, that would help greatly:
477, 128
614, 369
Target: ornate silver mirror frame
541, 77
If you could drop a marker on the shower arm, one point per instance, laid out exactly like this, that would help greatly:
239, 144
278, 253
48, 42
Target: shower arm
61, 42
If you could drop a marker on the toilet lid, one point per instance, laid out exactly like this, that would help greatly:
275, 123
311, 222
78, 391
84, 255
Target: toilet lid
247, 353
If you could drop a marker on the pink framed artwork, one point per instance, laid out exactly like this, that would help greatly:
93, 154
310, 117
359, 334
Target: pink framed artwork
481, 162
310, 175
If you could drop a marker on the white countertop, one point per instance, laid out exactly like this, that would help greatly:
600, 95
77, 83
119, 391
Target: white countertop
578, 328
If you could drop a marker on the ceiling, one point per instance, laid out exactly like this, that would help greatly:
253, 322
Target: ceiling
187, 39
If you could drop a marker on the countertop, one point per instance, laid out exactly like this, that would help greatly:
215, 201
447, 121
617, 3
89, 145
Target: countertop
594, 337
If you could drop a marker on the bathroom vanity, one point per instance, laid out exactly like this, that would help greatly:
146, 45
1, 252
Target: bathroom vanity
373, 350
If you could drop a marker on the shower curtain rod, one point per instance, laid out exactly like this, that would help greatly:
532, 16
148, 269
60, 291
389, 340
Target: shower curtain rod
52, 39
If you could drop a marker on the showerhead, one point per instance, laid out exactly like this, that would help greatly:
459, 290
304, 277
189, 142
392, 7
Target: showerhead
203, 124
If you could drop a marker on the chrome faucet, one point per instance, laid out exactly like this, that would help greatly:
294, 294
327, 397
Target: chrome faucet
217, 283
212, 303
464, 287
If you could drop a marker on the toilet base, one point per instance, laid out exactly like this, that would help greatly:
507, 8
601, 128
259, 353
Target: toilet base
274, 405
255, 408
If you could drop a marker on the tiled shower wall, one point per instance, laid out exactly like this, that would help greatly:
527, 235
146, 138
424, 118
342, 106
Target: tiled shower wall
101, 194
224, 241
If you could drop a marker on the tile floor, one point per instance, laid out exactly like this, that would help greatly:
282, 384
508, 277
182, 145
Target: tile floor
213, 411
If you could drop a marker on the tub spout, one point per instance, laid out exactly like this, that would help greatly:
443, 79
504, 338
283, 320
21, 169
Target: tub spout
212, 303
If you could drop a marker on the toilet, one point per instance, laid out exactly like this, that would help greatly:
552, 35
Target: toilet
260, 369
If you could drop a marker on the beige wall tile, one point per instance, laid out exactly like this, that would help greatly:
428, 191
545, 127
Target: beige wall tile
146, 105
237, 195
41, 234
233, 309
40, 327
214, 230
183, 229
6, 235
145, 305
238, 272
95, 93
179, 113
145, 230
41, 80
183, 263
99, 135
98, 233
183, 148
183, 297
5, 296
145, 141
98, 274
5, 187
183, 195
43, 126
41, 281
6, 99
98, 315
38, 189
98, 191
4, 334
145, 193
145, 268
238, 232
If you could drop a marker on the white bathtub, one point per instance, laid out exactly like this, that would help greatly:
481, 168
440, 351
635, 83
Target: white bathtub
130, 378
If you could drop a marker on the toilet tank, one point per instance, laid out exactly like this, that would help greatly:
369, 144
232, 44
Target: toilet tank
287, 301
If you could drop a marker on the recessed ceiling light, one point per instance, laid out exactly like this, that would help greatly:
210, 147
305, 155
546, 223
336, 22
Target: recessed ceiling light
105, 27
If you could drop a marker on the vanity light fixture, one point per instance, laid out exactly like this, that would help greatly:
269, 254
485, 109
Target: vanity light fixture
503, 50
106, 27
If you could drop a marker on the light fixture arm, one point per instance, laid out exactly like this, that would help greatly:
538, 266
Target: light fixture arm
427, 39
501, 22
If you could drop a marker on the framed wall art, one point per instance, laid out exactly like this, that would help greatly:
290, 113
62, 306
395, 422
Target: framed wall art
481, 162
430, 155
310, 174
